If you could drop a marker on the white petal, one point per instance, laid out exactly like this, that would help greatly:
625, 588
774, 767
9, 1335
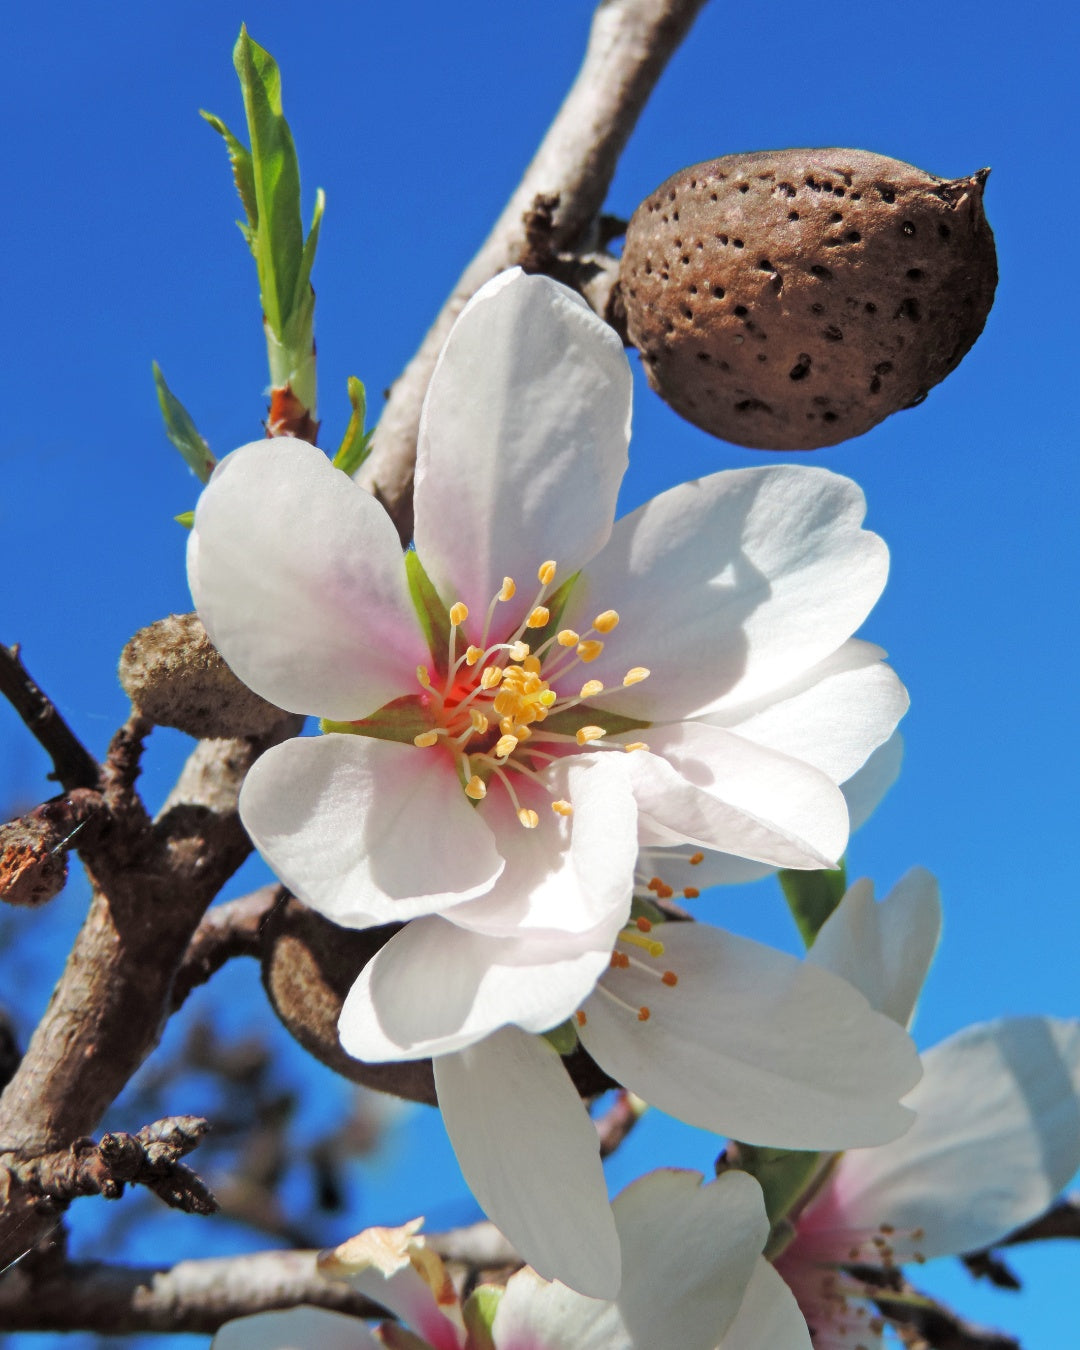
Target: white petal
302, 1328
833, 717
436, 988
530, 1154
297, 574
688, 1252
673, 866
769, 1317
367, 831
570, 874
996, 1137
751, 1043
865, 789
523, 442
708, 786
884, 949
730, 587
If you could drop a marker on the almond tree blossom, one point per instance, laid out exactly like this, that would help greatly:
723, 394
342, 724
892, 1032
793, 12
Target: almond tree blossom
681, 1287
497, 750
996, 1135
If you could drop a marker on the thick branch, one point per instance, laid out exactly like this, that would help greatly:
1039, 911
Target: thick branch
226, 931
630, 43
73, 765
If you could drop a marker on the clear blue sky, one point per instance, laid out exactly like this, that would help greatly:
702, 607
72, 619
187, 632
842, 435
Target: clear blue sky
417, 119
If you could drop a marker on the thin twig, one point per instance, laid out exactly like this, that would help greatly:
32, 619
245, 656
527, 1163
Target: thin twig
73, 765
618, 1120
630, 43
226, 931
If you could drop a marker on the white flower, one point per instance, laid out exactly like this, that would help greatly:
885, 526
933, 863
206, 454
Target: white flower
682, 1287
488, 797
996, 1133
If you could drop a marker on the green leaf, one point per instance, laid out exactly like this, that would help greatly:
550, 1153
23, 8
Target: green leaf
812, 897
399, 720
356, 444
181, 430
243, 176
433, 615
279, 239
186, 518
479, 1314
783, 1174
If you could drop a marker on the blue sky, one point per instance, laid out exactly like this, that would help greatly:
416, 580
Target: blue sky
417, 120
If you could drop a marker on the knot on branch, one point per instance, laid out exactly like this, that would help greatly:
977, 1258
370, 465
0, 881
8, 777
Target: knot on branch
33, 849
150, 1158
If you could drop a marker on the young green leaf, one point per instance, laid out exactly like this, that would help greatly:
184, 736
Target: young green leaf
181, 430
356, 444
243, 175
186, 518
812, 897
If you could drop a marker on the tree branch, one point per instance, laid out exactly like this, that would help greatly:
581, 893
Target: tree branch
226, 931
73, 765
630, 43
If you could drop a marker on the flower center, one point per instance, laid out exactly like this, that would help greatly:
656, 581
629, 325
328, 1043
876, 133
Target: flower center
490, 708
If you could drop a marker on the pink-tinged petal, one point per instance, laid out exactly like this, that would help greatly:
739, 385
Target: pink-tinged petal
996, 1137
864, 790
708, 786
529, 1152
523, 442
730, 587
297, 574
769, 1317
833, 1303
366, 831
302, 1328
672, 866
688, 1253
750, 1043
394, 1267
435, 988
572, 873
884, 949
834, 717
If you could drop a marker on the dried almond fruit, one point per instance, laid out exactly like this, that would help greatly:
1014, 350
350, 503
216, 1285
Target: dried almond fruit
790, 299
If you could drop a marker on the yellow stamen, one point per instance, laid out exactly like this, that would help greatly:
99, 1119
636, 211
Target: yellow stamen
604, 623
423, 676
636, 675
473, 654
587, 734
519, 651
506, 702
589, 649
647, 944
521, 731
458, 614
540, 616
591, 688
562, 808
425, 739
635, 745
508, 589
479, 722
476, 788
546, 574
532, 665
504, 746
547, 698
490, 677
566, 637
528, 818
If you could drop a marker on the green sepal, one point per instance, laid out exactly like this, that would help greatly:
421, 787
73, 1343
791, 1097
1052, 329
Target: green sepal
186, 518
784, 1175
400, 720
479, 1315
563, 1038
243, 176
182, 431
356, 444
556, 604
433, 615
812, 897
571, 720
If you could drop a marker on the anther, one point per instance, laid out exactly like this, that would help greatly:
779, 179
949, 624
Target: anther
669, 978
591, 688
476, 788
532, 665
589, 649
636, 674
562, 808
546, 574
490, 677
423, 676
619, 961
604, 623
458, 614
479, 721
635, 745
586, 734
504, 746
472, 655
519, 651
580, 1018
547, 698
426, 738
507, 590
566, 637
690, 892
696, 858
643, 925
528, 818
540, 616
643, 1014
